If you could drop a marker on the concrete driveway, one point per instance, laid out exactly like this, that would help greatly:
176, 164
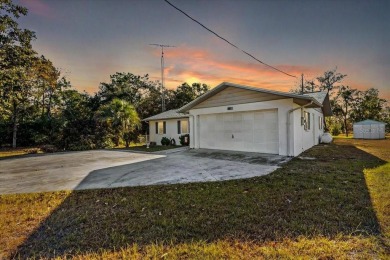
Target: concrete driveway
108, 168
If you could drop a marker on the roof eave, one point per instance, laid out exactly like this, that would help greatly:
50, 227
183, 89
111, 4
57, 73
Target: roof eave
165, 118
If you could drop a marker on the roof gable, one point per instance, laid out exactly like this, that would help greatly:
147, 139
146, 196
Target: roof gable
234, 96
299, 99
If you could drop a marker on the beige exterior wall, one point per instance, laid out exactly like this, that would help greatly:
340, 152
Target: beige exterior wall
171, 130
235, 96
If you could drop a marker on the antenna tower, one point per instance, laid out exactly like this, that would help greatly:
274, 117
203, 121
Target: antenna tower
162, 73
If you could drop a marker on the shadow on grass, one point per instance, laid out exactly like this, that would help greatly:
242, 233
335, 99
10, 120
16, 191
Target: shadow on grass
326, 197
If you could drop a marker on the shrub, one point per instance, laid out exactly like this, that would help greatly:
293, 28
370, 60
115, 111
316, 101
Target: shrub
173, 142
185, 139
165, 141
31, 150
49, 148
335, 131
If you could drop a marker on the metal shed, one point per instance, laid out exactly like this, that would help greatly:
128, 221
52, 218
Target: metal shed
369, 129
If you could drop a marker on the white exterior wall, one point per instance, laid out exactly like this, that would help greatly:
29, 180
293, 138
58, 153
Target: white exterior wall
299, 138
305, 139
372, 131
358, 132
171, 130
282, 105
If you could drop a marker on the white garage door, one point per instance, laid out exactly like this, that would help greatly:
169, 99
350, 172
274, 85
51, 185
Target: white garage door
254, 131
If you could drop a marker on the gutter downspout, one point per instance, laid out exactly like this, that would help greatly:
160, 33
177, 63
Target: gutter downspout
192, 130
288, 124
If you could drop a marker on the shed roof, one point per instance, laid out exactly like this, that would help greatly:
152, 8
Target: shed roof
170, 114
369, 122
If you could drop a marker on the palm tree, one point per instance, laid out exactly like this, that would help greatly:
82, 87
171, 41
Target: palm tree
122, 117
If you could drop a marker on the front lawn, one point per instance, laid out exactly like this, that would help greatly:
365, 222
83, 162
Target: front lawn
337, 206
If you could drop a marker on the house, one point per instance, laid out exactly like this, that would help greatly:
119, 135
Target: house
243, 118
369, 129
170, 124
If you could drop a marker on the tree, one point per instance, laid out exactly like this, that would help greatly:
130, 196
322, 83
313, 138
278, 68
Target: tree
185, 94
122, 117
16, 59
125, 86
47, 84
347, 98
368, 106
150, 104
328, 80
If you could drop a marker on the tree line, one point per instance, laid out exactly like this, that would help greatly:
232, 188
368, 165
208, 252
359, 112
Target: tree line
348, 104
39, 106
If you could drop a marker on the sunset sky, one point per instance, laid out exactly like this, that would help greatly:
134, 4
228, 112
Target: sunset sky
91, 39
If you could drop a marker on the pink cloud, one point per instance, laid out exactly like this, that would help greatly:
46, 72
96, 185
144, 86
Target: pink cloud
39, 8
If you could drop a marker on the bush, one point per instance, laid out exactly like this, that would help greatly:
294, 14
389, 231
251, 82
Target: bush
335, 131
173, 142
31, 150
49, 149
165, 141
185, 139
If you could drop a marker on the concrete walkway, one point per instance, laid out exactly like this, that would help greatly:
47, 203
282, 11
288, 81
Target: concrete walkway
107, 169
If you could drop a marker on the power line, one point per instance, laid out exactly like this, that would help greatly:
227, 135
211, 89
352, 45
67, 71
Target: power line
235, 46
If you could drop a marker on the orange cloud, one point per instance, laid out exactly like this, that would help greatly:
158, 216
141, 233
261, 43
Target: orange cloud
191, 64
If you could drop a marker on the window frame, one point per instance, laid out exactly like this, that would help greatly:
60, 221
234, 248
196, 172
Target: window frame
181, 127
163, 125
307, 121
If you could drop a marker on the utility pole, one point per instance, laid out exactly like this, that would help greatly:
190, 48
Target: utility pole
162, 73
302, 84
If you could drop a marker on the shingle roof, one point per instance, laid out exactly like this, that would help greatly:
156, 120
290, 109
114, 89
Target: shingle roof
369, 122
170, 114
319, 96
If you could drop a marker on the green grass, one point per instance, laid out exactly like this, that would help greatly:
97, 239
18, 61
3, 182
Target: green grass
143, 148
336, 207
350, 136
13, 152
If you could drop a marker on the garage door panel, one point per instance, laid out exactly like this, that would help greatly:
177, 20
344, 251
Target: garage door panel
255, 131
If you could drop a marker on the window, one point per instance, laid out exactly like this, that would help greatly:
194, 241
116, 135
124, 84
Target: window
182, 127
161, 127
307, 121
321, 122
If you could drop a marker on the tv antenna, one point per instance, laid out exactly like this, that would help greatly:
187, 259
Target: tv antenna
162, 72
